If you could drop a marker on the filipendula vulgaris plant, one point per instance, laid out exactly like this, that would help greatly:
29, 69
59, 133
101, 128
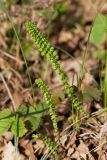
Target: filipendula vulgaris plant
51, 54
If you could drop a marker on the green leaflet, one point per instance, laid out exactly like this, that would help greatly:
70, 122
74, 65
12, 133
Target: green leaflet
6, 119
38, 110
33, 115
6, 113
33, 123
18, 127
98, 29
5, 124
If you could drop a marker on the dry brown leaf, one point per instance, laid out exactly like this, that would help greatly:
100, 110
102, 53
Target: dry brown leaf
9, 153
83, 151
2, 64
29, 151
76, 155
90, 8
70, 151
8, 136
17, 98
65, 36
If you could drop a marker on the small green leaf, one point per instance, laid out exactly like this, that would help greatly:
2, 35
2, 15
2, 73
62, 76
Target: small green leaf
5, 120
98, 30
37, 110
40, 109
18, 127
33, 123
22, 111
5, 125
35, 116
6, 113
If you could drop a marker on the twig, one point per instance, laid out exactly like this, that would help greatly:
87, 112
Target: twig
9, 93
10, 56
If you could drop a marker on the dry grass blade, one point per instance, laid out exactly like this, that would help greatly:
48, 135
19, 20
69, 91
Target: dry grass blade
9, 93
10, 56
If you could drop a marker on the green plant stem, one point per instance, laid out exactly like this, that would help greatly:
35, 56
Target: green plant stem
49, 144
86, 48
100, 75
105, 79
16, 138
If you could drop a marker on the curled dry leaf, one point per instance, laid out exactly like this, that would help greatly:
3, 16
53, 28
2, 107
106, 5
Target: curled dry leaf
65, 36
84, 151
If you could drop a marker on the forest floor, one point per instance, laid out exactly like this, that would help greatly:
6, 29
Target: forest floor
67, 24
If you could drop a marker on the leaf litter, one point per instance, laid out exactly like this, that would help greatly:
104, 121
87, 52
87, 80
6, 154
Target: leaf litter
69, 34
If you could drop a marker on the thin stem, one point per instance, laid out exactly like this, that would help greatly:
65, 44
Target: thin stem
105, 80
86, 48
9, 93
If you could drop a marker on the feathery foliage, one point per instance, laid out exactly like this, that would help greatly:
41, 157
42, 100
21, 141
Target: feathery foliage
48, 99
48, 142
50, 53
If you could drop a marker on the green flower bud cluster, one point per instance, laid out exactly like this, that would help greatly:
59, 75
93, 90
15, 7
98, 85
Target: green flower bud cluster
50, 53
47, 141
76, 104
48, 100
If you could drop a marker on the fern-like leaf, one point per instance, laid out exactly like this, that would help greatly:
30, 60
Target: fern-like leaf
49, 144
49, 101
50, 53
